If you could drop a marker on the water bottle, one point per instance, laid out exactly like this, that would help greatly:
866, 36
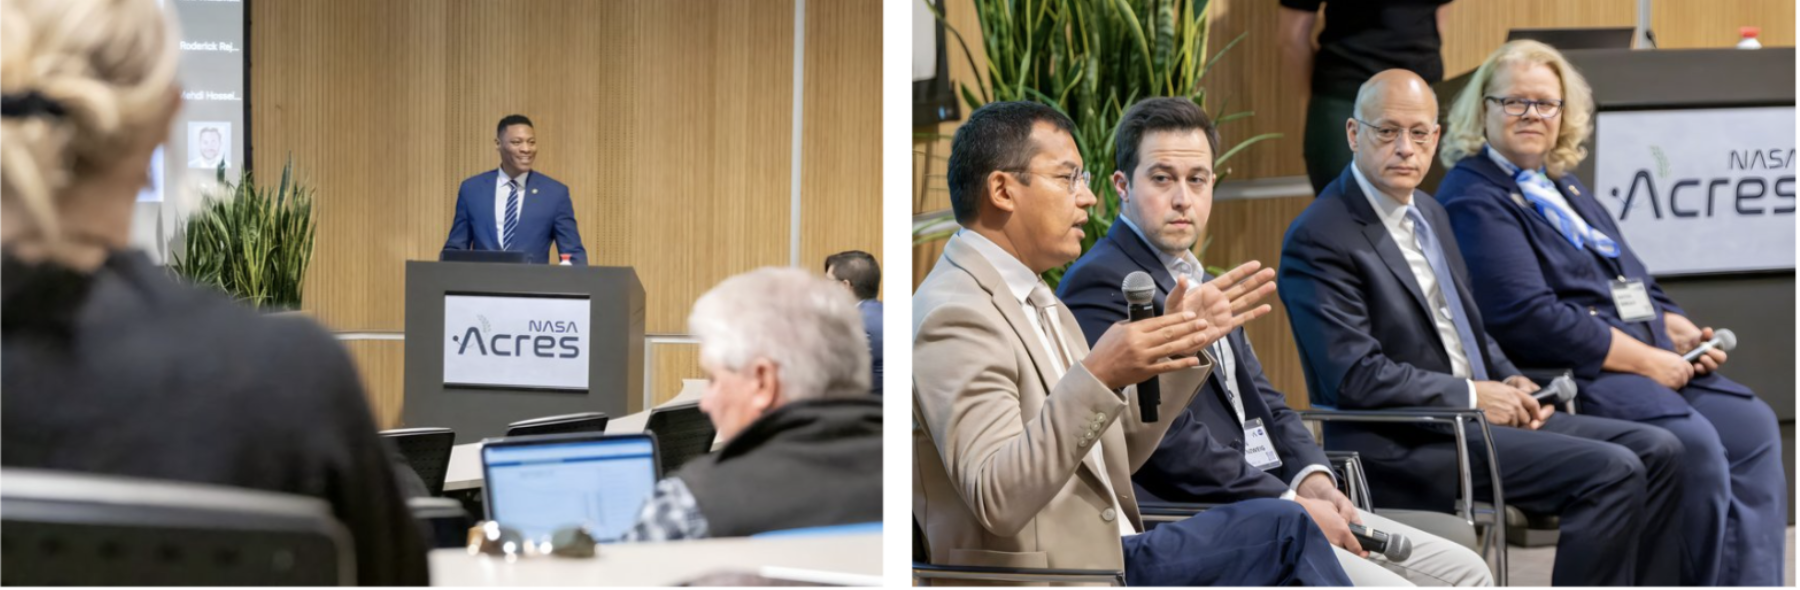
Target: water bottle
1748, 35
565, 261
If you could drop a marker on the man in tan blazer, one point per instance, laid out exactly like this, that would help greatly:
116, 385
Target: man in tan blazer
1024, 440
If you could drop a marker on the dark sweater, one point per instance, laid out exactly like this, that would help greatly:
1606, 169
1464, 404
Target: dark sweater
807, 464
140, 375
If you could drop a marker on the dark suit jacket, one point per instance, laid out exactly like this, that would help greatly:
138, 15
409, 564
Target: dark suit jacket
547, 214
1201, 459
1365, 333
1535, 288
871, 315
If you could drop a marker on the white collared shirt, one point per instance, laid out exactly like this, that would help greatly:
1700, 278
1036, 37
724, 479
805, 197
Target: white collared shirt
500, 192
1222, 351
1019, 282
1393, 215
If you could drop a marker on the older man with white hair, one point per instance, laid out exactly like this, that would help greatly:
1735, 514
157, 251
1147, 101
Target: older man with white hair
787, 388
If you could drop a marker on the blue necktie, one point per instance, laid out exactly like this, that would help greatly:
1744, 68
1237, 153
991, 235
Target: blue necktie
512, 214
1538, 189
1452, 298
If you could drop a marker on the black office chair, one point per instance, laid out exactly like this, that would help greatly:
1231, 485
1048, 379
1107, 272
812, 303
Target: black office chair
924, 571
682, 432
427, 452
566, 423
61, 528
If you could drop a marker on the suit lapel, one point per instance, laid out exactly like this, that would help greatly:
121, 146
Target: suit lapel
1377, 234
967, 258
484, 214
1141, 255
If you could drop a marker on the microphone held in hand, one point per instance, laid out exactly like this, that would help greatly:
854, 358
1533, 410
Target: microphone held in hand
1140, 299
1394, 546
1722, 339
1559, 391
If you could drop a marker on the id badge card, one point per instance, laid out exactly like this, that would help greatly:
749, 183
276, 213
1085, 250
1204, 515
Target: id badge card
1258, 451
1632, 300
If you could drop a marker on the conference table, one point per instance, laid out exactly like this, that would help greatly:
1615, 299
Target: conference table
847, 559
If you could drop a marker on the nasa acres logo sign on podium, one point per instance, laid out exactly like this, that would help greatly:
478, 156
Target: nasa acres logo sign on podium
516, 341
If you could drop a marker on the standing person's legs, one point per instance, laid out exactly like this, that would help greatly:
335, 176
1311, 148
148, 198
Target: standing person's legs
1435, 561
1756, 522
1263, 542
1596, 488
1326, 151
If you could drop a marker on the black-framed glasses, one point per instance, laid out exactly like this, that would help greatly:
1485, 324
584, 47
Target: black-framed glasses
1516, 106
1386, 135
1074, 181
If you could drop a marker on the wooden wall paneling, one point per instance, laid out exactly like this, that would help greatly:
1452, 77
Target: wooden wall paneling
840, 170
673, 363
1251, 229
379, 363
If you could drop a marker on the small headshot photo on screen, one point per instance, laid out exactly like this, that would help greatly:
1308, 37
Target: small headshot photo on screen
153, 189
209, 143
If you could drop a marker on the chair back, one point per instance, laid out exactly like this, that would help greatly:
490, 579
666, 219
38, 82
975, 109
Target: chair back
563, 424
682, 432
427, 452
90, 530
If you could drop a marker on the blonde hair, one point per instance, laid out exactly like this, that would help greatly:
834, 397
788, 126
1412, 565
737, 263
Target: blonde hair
1467, 129
109, 64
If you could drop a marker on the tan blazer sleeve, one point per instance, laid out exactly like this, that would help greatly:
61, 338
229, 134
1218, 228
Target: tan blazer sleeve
1178, 389
967, 385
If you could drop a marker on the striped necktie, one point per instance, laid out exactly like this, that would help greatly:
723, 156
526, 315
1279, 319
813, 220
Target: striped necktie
1541, 192
512, 214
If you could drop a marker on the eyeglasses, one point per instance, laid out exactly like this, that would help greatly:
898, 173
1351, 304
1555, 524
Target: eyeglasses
1387, 135
1074, 181
1517, 106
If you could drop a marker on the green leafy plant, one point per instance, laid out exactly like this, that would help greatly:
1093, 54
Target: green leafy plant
1092, 59
252, 242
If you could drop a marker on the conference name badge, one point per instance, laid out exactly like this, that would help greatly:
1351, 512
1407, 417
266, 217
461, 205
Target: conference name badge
1258, 451
1632, 300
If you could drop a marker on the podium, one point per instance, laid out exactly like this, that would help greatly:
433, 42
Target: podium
492, 344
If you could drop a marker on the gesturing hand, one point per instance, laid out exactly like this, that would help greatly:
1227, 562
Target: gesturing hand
1131, 352
1227, 301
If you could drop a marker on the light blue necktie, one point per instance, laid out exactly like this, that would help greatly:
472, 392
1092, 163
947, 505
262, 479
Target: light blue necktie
1452, 297
512, 214
1539, 190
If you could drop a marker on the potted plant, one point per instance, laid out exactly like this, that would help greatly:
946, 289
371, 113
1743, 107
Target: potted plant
1091, 59
252, 242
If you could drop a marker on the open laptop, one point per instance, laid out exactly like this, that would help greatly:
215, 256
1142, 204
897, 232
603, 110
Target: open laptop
538, 484
504, 256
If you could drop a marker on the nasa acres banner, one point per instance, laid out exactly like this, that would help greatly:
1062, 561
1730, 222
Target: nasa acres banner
1703, 190
516, 342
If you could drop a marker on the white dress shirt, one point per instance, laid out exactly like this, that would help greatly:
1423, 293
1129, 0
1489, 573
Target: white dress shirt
1020, 281
1189, 266
500, 192
1393, 215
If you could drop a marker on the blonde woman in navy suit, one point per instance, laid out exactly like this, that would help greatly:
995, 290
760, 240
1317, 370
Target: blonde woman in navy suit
1545, 257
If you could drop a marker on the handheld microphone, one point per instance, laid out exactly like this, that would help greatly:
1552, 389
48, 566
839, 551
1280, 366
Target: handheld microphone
1722, 339
1560, 390
1140, 297
1394, 546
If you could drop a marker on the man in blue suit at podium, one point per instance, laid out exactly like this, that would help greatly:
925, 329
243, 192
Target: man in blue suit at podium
514, 208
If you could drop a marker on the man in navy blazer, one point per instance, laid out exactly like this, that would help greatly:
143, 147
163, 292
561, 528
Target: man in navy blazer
521, 211
1381, 308
857, 271
1237, 440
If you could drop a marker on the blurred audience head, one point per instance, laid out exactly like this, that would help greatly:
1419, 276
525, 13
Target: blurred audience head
89, 89
773, 336
857, 270
1492, 110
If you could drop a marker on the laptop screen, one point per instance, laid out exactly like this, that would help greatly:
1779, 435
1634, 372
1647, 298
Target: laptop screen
598, 483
